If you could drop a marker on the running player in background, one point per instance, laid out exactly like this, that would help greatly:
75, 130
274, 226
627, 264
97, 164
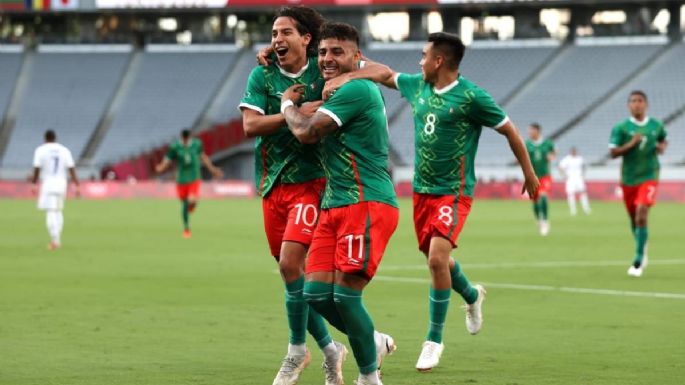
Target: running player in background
359, 206
542, 153
51, 161
449, 111
572, 167
290, 179
187, 153
639, 140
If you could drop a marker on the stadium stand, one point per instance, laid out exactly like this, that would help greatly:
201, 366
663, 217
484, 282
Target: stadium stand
169, 91
66, 92
665, 93
232, 91
10, 64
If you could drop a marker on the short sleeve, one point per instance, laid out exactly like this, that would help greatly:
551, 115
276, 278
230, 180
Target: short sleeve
564, 163
68, 158
616, 138
408, 84
486, 112
255, 92
200, 146
36, 158
348, 102
661, 134
552, 147
170, 153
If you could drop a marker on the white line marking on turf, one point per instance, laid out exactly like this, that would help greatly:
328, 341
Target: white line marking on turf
546, 264
514, 286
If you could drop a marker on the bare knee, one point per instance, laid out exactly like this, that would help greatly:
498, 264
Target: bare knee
438, 262
291, 261
641, 216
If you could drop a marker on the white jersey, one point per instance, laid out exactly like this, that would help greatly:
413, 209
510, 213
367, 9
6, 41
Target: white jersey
54, 161
572, 166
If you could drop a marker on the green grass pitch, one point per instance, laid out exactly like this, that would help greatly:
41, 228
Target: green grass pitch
128, 301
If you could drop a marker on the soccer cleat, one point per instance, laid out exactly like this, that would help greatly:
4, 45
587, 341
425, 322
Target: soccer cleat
291, 367
333, 368
363, 380
430, 356
544, 228
385, 346
474, 312
635, 271
53, 246
186, 234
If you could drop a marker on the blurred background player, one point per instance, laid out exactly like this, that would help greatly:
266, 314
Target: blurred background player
51, 161
448, 109
290, 179
572, 167
638, 140
187, 153
359, 207
542, 153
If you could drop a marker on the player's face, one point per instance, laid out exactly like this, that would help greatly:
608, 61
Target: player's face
429, 64
337, 57
533, 133
290, 47
637, 105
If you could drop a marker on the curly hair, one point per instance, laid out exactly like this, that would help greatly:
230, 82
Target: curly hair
307, 21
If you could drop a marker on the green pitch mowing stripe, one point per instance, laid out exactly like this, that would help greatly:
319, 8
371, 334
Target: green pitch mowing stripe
129, 301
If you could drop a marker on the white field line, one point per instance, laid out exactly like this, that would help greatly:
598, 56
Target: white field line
514, 286
547, 264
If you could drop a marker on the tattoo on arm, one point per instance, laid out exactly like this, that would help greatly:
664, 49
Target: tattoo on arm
309, 129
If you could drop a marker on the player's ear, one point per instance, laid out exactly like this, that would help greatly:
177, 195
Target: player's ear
306, 38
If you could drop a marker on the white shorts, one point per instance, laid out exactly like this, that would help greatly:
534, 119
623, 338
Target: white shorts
574, 186
51, 201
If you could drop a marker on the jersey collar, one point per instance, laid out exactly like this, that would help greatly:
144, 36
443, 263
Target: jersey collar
539, 141
292, 75
446, 88
641, 123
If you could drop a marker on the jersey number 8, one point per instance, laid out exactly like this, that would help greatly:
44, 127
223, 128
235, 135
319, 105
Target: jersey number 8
429, 127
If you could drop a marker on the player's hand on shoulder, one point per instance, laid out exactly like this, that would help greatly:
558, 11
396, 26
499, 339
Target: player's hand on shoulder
294, 93
264, 56
309, 109
333, 85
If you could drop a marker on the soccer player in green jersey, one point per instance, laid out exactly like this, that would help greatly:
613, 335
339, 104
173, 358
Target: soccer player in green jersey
449, 111
359, 206
290, 179
639, 140
542, 153
187, 153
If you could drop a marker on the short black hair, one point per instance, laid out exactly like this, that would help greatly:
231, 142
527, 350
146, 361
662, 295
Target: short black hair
50, 136
450, 46
185, 133
638, 92
536, 126
340, 31
307, 21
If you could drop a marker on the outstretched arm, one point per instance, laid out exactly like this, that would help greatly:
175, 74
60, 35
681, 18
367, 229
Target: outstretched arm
306, 129
376, 72
518, 147
216, 172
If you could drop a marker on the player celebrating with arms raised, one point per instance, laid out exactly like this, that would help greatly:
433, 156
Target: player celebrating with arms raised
51, 162
359, 207
449, 111
542, 153
639, 140
187, 153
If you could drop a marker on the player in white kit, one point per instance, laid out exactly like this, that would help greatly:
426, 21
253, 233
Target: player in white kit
51, 162
572, 167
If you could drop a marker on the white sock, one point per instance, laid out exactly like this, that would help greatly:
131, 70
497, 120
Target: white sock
571, 203
297, 350
330, 350
54, 221
371, 378
585, 203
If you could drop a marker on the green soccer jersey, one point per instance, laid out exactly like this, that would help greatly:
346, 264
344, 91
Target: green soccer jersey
539, 152
280, 158
447, 126
641, 163
187, 159
355, 156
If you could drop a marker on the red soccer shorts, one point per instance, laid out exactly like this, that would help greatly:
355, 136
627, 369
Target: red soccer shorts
545, 186
439, 215
185, 190
291, 212
352, 239
643, 194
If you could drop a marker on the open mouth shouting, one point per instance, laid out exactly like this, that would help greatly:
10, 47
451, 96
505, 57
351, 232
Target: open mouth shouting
281, 53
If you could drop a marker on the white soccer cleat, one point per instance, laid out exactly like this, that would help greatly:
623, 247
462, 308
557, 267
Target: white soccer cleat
364, 380
291, 367
474, 312
544, 228
385, 346
333, 368
635, 271
430, 356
